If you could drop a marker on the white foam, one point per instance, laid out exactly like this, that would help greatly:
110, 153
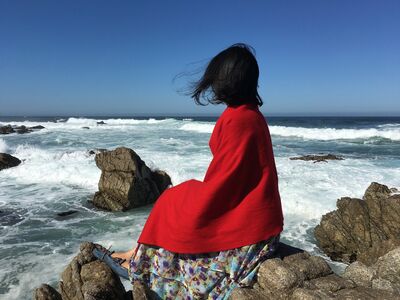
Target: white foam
45, 166
326, 134
198, 127
3, 146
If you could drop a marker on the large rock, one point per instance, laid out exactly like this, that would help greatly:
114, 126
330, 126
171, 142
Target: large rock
87, 278
361, 229
8, 161
384, 274
46, 292
126, 182
299, 275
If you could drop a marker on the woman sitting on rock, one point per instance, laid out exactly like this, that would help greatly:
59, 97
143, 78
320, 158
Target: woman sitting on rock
204, 238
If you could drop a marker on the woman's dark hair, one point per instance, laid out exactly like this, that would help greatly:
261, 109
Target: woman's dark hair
231, 77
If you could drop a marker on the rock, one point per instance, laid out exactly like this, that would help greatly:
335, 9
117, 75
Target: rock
7, 129
318, 158
85, 127
22, 129
361, 229
67, 213
387, 272
86, 278
8, 161
299, 275
9, 217
46, 292
101, 123
37, 127
359, 274
126, 182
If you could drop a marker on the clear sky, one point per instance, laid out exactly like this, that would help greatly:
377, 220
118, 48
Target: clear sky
316, 57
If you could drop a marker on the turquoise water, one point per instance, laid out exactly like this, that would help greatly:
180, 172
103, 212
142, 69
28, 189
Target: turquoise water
57, 174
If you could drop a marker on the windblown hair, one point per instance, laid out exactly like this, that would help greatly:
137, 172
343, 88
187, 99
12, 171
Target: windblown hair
231, 77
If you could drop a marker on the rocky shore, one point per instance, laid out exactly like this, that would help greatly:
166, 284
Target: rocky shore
364, 233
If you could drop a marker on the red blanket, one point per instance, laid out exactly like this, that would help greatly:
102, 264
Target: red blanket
238, 201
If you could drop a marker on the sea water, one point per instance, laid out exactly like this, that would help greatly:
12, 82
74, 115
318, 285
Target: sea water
58, 174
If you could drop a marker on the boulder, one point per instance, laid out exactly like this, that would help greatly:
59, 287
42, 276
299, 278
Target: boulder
361, 229
86, 278
126, 182
46, 292
300, 275
318, 158
7, 129
22, 129
8, 161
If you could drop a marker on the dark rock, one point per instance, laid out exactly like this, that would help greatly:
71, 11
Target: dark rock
22, 129
67, 213
361, 229
85, 127
7, 129
318, 158
46, 292
86, 278
126, 182
101, 123
9, 217
37, 127
8, 161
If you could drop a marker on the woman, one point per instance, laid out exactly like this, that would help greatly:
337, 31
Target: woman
204, 238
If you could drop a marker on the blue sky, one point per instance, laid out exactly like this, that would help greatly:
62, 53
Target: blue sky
316, 57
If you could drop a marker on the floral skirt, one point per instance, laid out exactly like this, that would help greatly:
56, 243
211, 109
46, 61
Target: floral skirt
211, 275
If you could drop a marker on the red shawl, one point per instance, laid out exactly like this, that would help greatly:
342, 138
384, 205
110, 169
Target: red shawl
237, 203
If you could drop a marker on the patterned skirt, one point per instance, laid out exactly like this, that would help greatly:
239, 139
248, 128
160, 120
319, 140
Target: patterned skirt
211, 275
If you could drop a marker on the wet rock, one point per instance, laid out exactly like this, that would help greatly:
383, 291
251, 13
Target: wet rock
22, 129
126, 182
46, 292
8, 161
101, 123
318, 158
85, 127
37, 127
86, 278
67, 213
7, 129
361, 229
9, 217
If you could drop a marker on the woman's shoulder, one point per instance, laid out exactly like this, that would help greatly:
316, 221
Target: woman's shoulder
242, 115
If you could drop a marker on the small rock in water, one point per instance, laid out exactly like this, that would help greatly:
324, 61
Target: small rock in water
101, 123
85, 127
8, 161
22, 129
8, 218
67, 213
37, 127
6, 129
318, 158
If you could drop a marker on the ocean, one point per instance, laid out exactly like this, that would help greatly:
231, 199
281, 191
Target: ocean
58, 174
